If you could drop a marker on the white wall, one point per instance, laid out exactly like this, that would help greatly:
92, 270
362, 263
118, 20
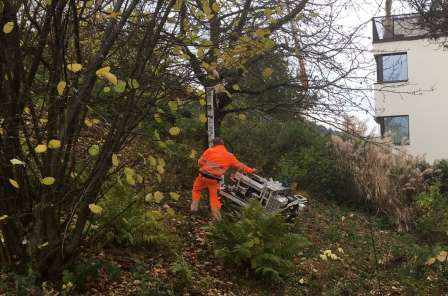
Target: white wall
424, 97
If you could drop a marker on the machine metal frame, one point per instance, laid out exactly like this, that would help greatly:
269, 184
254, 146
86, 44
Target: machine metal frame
273, 196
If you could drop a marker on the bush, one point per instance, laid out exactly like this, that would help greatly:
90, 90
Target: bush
293, 152
183, 274
128, 221
432, 220
258, 242
441, 174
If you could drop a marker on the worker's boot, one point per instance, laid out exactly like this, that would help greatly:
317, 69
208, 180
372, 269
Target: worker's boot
194, 205
216, 213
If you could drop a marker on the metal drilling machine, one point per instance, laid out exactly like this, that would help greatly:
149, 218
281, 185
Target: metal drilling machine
272, 195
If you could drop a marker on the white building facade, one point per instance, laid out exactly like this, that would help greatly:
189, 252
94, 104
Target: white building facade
411, 93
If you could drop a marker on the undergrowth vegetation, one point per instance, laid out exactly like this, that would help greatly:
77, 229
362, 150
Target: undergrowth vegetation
260, 242
131, 219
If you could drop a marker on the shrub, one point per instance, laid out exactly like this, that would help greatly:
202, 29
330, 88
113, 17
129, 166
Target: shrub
293, 152
259, 242
128, 221
432, 220
183, 274
441, 174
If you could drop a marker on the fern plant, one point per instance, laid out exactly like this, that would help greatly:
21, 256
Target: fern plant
257, 241
129, 222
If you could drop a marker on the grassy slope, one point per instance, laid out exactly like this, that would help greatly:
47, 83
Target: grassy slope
328, 226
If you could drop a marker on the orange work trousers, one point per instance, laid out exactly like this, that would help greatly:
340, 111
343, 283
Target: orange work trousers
202, 183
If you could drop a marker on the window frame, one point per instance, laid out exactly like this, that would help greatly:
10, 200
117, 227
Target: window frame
380, 70
380, 121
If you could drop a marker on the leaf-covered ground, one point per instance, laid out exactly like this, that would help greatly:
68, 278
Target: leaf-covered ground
352, 253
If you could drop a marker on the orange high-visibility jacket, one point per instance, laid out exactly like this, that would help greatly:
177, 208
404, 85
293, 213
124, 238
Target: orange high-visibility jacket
216, 160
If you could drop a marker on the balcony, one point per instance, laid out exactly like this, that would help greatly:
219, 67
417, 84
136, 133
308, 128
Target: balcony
397, 27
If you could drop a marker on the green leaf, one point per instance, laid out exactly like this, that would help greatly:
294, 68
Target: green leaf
133, 83
120, 87
94, 150
48, 181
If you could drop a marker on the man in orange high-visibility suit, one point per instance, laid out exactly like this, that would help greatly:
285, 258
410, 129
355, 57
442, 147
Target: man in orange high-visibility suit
213, 163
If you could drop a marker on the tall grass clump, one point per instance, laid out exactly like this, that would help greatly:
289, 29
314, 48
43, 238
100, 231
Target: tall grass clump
386, 177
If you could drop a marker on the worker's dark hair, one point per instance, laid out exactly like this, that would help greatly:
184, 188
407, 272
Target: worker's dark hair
218, 141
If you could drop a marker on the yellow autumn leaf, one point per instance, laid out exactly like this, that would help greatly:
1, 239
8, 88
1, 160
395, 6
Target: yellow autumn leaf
174, 131
14, 183
130, 179
152, 161
8, 27
115, 161
202, 102
100, 72
267, 72
442, 256
74, 67
242, 117
174, 196
48, 181
158, 196
236, 87
160, 169
111, 78
16, 161
95, 209
61, 87
129, 171
54, 144
202, 118
90, 122
149, 197
161, 161
193, 154
3, 217
41, 148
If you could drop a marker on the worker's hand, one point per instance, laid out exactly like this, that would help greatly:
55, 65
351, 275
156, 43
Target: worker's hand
250, 171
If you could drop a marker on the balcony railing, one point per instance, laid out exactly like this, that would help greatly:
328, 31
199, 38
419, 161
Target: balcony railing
397, 27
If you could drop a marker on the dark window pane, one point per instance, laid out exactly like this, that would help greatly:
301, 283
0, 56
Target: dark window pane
396, 127
395, 67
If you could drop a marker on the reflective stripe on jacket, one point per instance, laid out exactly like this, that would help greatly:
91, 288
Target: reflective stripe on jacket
216, 160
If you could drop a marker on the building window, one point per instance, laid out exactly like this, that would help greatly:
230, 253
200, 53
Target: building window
392, 67
395, 127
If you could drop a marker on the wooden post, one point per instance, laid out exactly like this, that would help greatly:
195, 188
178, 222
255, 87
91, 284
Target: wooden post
210, 93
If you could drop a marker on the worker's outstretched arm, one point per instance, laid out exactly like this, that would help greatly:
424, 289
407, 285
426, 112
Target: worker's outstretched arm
235, 163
